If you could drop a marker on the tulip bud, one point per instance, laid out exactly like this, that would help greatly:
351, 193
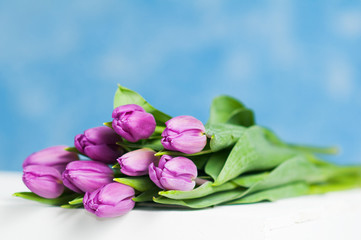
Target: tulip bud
44, 181
173, 173
136, 163
111, 200
86, 176
184, 134
99, 144
132, 122
54, 156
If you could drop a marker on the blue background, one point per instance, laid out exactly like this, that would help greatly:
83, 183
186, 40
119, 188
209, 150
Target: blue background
296, 63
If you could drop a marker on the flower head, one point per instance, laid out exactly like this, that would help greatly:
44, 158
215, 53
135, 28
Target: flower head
55, 156
132, 122
43, 180
173, 173
99, 144
184, 134
136, 163
86, 176
111, 200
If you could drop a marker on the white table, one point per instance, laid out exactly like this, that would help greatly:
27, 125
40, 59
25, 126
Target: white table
330, 216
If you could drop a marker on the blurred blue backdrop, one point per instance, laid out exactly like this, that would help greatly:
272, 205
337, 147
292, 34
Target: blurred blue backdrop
296, 63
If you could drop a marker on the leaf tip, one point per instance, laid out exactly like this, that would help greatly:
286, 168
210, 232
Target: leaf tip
108, 124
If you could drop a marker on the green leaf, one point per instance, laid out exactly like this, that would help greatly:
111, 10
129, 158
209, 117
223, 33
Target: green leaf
200, 161
273, 138
147, 195
61, 200
251, 179
142, 183
345, 178
216, 163
154, 144
295, 169
207, 201
243, 117
252, 152
125, 96
228, 109
273, 194
201, 191
223, 135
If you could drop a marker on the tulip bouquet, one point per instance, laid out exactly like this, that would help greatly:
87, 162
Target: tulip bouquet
145, 158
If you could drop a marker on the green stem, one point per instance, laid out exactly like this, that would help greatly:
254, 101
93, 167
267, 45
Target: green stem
154, 137
76, 201
182, 154
312, 149
124, 146
158, 130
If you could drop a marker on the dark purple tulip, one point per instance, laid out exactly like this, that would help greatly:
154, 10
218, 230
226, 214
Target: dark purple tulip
136, 163
111, 200
176, 173
54, 156
184, 134
86, 176
132, 122
99, 144
44, 181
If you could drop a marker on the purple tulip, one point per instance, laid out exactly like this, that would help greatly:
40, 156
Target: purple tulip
111, 200
176, 173
86, 176
99, 144
44, 181
136, 163
184, 134
132, 122
55, 157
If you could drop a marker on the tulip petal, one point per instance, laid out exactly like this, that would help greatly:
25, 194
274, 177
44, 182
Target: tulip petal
101, 135
120, 209
55, 156
181, 166
177, 184
183, 123
114, 192
105, 153
153, 175
44, 181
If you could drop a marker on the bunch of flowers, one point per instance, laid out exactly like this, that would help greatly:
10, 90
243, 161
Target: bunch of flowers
143, 157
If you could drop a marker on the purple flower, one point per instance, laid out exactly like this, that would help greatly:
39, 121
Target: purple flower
86, 176
136, 163
174, 173
99, 144
111, 200
132, 122
55, 157
184, 134
44, 181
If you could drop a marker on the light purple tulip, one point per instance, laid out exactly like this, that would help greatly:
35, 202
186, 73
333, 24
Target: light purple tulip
111, 200
86, 176
184, 134
54, 156
132, 122
99, 144
44, 181
176, 173
136, 163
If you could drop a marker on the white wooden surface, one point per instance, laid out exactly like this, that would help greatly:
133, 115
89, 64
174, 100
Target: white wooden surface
330, 216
